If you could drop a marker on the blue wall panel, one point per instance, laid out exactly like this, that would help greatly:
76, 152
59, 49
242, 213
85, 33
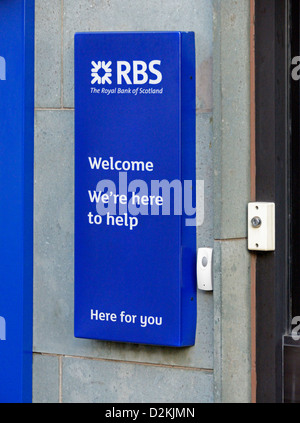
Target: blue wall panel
135, 265
16, 198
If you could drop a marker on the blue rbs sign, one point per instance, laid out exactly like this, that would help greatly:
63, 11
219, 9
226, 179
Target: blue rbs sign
135, 216
16, 188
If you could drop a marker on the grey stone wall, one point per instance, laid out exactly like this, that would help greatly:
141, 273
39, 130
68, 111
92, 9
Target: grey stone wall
66, 369
231, 128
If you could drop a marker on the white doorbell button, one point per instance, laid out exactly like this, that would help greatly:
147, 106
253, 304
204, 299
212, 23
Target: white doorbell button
204, 269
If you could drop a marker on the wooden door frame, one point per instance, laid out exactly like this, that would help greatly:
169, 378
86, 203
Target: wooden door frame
272, 184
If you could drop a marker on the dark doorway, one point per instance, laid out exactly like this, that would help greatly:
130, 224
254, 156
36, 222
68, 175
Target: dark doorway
272, 105
291, 350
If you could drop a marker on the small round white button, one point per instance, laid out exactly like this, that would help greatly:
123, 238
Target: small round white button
204, 261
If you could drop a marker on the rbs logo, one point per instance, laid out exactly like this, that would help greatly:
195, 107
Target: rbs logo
138, 72
2, 69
